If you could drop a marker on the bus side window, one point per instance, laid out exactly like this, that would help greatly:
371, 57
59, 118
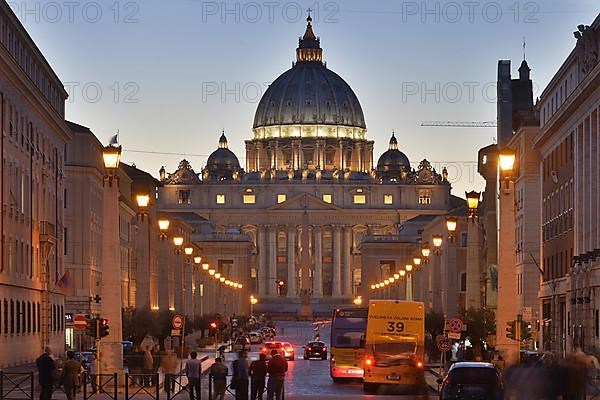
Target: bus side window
362, 341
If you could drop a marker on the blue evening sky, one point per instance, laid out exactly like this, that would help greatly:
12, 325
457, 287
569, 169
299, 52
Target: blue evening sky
174, 73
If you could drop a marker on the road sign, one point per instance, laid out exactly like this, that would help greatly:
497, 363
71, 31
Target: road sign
176, 332
443, 343
80, 322
456, 325
454, 335
177, 321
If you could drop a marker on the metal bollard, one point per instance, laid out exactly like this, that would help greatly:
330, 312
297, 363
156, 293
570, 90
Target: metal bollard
85, 382
127, 386
210, 386
116, 386
2, 385
31, 384
157, 386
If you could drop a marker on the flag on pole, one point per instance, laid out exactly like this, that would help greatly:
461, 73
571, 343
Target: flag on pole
65, 281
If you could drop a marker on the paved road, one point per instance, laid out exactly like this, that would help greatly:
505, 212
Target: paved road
309, 379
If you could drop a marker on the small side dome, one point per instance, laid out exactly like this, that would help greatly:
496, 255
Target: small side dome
393, 164
222, 164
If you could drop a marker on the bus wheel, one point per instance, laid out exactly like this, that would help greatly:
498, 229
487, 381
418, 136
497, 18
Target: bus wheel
369, 387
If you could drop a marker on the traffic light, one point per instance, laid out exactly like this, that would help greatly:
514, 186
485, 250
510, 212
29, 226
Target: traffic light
213, 325
91, 329
103, 327
526, 330
511, 330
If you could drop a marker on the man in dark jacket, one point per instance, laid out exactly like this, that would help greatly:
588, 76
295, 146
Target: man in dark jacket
47, 371
258, 375
276, 368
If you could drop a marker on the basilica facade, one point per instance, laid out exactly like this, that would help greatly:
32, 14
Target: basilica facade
309, 194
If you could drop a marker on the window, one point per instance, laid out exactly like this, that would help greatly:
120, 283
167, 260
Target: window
388, 199
249, 199
65, 241
463, 281
281, 198
360, 199
463, 239
424, 198
184, 197
484, 159
220, 199
328, 198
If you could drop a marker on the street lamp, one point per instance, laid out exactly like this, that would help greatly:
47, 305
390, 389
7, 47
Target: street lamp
417, 261
163, 224
437, 243
222, 279
205, 267
143, 200
451, 223
197, 260
506, 160
218, 275
409, 291
425, 252
408, 267
253, 301
178, 241
188, 251
211, 272
402, 273
396, 276
111, 348
373, 287
473, 203
358, 300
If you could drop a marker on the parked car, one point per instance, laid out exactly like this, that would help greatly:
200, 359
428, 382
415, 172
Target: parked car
315, 350
255, 337
472, 381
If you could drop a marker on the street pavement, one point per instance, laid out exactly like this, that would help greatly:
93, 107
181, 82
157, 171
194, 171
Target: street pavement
306, 379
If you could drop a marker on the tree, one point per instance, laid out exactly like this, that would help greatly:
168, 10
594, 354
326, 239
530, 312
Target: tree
480, 325
434, 323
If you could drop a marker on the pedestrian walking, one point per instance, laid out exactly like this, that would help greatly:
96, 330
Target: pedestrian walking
168, 365
156, 357
71, 376
258, 375
218, 372
276, 368
148, 364
92, 370
46, 373
241, 378
193, 369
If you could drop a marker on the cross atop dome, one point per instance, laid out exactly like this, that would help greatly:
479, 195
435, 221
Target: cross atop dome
309, 46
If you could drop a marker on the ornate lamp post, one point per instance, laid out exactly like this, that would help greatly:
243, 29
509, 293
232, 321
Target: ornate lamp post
425, 252
507, 282
409, 288
110, 348
253, 301
474, 297
437, 243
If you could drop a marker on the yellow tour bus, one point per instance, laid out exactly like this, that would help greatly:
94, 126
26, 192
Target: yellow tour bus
346, 348
394, 346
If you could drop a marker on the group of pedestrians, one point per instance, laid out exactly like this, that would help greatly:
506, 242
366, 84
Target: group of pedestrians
70, 378
253, 375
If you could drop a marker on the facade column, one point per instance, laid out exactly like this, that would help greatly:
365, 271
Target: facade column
473, 295
341, 156
291, 261
261, 236
318, 273
337, 267
258, 155
347, 249
272, 275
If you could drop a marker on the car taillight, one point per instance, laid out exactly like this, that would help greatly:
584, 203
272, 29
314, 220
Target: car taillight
369, 361
310, 348
419, 364
264, 349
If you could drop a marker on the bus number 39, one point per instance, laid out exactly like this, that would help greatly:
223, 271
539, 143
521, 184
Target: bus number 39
395, 326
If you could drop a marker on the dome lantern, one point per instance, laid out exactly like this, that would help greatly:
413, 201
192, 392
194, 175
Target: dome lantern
309, 46
393, 142
223, 141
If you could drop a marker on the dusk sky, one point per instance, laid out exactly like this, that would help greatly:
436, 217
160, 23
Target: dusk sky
162, 67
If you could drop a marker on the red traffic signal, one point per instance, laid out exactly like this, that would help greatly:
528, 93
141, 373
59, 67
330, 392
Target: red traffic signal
104, 328
213, 325
281, 282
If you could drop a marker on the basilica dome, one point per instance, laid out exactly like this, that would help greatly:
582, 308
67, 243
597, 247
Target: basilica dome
222, 163
309, 94
393, 163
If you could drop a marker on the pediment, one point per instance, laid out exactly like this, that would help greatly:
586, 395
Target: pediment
305, 200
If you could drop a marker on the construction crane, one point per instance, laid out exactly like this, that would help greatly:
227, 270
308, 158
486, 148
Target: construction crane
461, 124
